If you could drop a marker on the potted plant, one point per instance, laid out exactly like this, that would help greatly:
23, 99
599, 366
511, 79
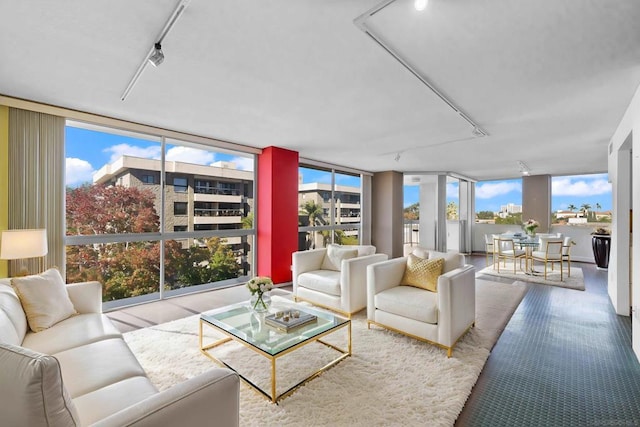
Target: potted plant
601, 244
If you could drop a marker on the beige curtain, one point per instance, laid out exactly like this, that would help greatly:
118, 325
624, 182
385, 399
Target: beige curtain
36, 181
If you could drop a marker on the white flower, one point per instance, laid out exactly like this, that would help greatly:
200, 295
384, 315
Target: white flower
260, 285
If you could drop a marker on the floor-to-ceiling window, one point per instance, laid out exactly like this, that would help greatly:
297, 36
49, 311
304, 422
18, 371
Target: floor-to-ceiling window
330, 208
581, 200
151, 217
499, 202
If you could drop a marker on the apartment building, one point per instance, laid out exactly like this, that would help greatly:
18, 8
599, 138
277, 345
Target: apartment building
197, 197
346, 206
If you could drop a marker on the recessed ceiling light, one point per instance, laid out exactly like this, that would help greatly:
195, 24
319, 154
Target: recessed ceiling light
420, 5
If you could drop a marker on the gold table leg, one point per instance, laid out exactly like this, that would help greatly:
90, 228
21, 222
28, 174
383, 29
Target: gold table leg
274, 398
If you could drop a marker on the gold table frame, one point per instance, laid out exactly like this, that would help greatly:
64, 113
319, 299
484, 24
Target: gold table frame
273, 397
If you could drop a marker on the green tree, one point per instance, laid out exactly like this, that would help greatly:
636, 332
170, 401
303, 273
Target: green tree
313, 210
412, 212
585, 209
572, 207
247, 221
510, 219
485, 215
452, 210
128, 269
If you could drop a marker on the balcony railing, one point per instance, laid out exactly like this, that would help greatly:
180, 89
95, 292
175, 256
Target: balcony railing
217, 191
217, 212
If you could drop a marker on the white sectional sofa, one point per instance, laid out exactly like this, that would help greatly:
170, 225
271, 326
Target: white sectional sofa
81, 372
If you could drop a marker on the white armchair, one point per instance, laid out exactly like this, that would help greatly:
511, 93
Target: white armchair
439, 318
339, 286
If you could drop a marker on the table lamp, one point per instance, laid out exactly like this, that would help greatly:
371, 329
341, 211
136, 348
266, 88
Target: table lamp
22, 244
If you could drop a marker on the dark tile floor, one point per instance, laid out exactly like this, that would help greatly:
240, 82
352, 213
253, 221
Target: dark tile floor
564, 359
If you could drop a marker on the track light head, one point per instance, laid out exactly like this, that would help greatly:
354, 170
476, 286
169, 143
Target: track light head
156, 56
524, 169
477, 131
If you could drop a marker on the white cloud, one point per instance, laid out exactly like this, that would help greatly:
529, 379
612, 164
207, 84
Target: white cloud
490, 190
119, 150
190, 155
580, 186
77, 171
243, 163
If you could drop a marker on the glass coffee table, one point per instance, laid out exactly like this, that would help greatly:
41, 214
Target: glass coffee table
241, 324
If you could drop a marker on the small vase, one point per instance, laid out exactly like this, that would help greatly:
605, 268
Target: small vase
260, 302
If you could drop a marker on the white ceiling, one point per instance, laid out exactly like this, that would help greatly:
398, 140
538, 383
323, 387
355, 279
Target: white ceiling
548, 80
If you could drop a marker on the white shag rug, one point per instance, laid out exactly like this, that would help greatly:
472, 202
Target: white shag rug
575, 281
389, 380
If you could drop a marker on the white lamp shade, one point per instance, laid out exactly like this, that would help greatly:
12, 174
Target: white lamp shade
18, 244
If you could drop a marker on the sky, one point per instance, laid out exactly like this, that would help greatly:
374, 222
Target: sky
88, 150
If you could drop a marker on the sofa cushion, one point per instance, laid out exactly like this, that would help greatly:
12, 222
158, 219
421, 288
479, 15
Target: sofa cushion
452, 260
365, 250
325, 281
108, 400
408, 301
93, 366
44, 299
422, 273
13, 320
72, 332
335, 254
420, 252
32, 392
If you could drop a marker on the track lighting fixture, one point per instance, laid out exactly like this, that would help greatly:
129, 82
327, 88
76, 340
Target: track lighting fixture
478, 132
361, 23
156, 56
524, 169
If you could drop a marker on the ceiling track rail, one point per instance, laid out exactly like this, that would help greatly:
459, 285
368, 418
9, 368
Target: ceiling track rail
361, 23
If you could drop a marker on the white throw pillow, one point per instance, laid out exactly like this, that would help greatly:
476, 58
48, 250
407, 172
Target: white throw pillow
44, 298
335, 254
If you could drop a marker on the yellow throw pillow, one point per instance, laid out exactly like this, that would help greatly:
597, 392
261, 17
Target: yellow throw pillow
44, 299
422, 273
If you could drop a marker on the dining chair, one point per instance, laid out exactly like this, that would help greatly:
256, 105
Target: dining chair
549, 252
566, 253
488, 247
505, 249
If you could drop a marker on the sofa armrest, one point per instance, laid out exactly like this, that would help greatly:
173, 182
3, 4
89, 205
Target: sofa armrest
353, 280
86, 296
456, 303
382, 276
212, 398
303, 261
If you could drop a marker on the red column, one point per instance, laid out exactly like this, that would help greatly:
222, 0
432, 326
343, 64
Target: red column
277, 220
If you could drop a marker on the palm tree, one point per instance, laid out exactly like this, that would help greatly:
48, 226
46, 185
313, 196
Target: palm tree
598, 206
571, 207
314, 211
247, 221
585, 208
